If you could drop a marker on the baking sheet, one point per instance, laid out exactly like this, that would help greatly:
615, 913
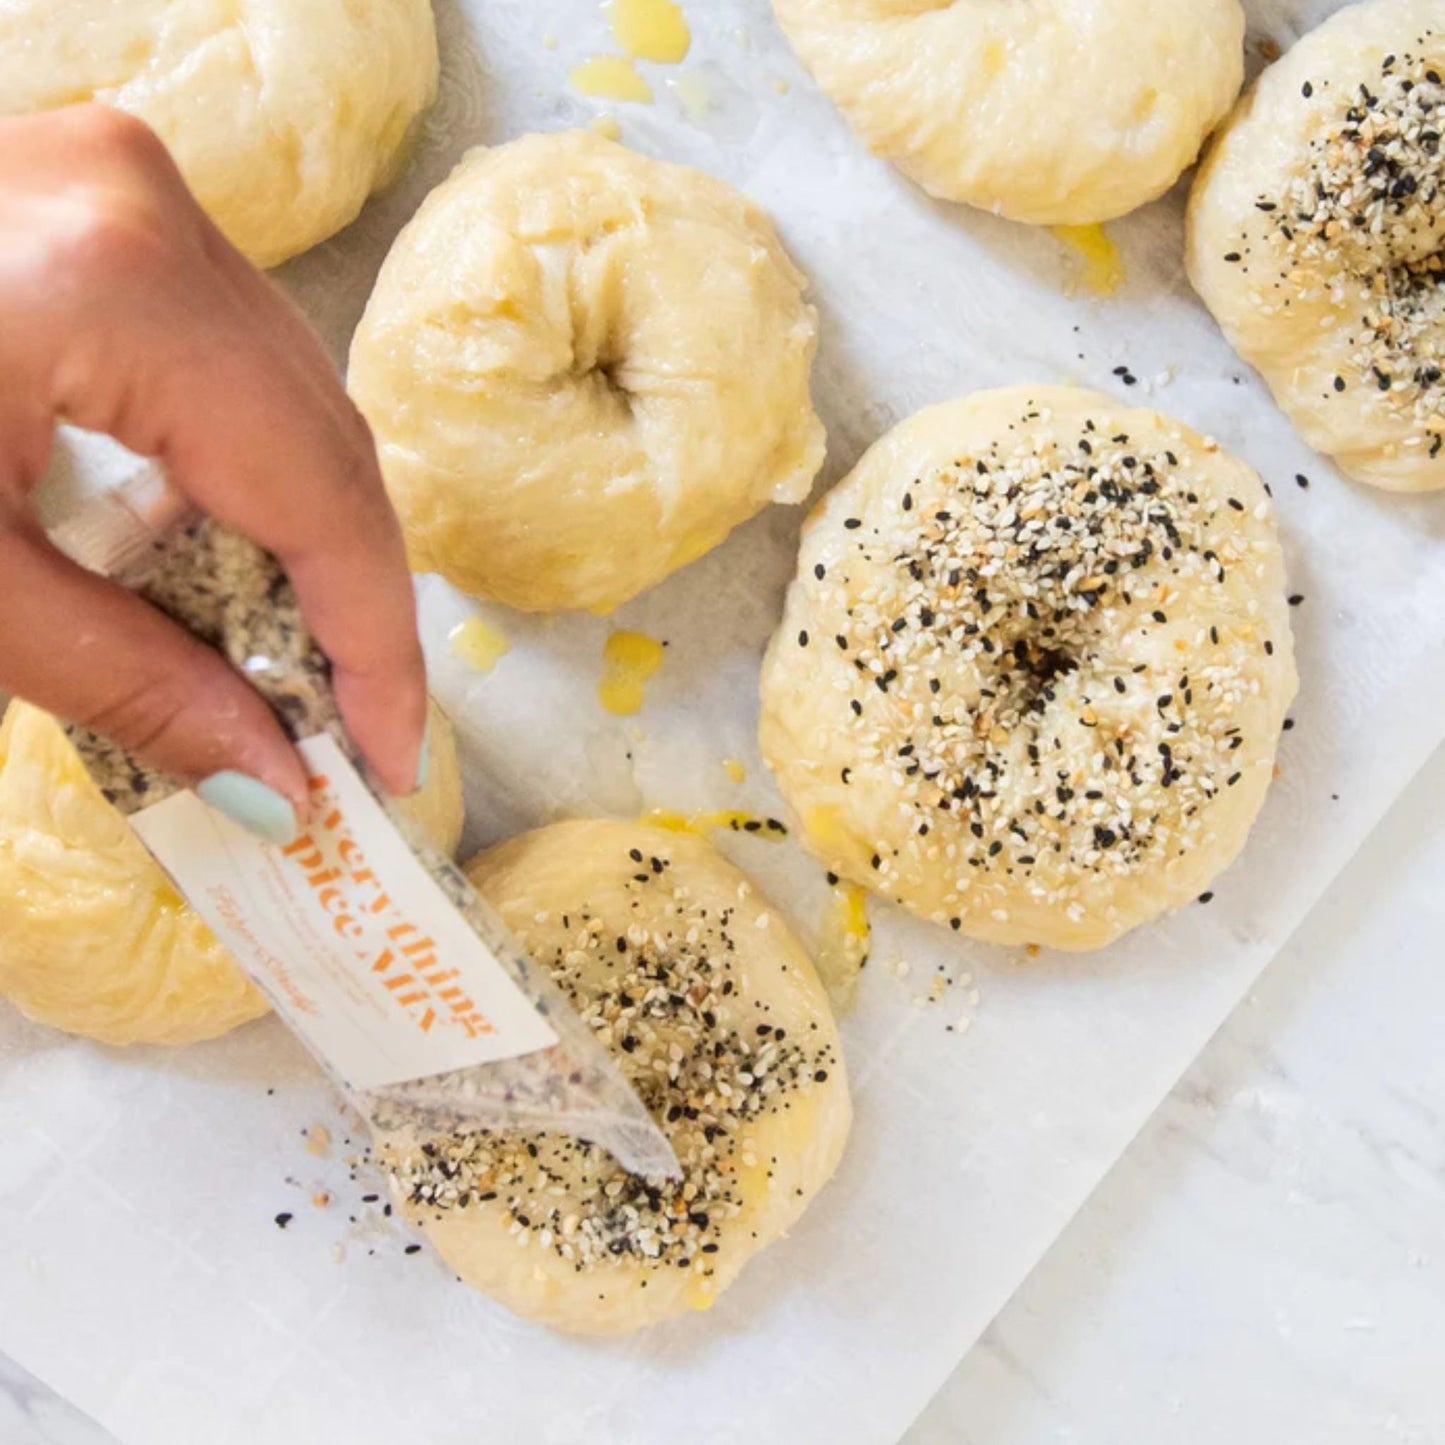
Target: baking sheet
142, 1274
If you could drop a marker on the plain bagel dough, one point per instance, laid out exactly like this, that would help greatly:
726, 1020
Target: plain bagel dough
1033, 669
1317, 239
718, 1019
93, 938
584, 368
1057, 112
283, 115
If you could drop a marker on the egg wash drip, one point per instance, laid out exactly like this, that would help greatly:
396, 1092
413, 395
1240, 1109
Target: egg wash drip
844, 939
629, 660
1102, 266
1375, 174
611, 77
650, 29
988, 690
653, 30
703, 824
478, 643
669, 1001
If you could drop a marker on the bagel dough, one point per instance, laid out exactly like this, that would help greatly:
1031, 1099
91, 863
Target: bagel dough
1032, 672
717, 1018
93, 938
1053, 112
283, 115
584, 368
1317, 239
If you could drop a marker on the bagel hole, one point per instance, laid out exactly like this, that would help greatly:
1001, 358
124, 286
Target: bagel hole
1038, 670
611, 373
608, 376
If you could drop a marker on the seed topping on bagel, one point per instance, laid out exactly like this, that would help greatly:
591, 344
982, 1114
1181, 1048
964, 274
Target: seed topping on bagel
1052, 573
705, 1061
1360, 222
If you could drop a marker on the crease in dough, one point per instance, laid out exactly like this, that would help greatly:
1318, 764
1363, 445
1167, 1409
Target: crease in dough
583, 369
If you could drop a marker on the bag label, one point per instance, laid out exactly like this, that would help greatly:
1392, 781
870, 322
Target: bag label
347, 933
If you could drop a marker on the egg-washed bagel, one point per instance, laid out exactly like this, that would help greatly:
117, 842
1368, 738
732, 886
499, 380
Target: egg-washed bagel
1034, 666
283, 115
1053, 112
94, 939
1317, 238
584, 368
718, 1020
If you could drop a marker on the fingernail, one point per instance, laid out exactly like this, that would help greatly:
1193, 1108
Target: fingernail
252, 805
423, 765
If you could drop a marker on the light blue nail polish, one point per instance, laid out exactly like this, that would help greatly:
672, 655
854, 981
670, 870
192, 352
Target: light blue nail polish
423, 766
250, 803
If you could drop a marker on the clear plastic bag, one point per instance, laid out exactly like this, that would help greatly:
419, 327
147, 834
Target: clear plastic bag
234, 596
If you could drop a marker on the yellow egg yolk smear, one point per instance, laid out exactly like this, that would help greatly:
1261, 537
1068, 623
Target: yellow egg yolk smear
704, 823
1103, 268
650, 29
479, 643
843, 941
612, 77
629, 659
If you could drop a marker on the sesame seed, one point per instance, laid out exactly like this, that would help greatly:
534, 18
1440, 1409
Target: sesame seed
1356, 223
989, 613
702, 1055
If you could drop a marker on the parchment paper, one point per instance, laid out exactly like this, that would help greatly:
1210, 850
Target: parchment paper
141, 1272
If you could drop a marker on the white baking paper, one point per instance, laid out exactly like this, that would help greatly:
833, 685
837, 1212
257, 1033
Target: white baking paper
141, 1272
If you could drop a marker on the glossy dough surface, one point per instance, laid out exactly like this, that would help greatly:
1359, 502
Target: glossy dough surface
1317, 239
1032, 673
93, 937
716, 1016
584, 368
1056, 112
284, 115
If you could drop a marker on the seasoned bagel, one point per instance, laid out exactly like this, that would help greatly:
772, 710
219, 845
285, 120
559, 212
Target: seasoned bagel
1033, 669
1054, 112
720, 1023
283, 115
1317, 239
584, 368
93, 937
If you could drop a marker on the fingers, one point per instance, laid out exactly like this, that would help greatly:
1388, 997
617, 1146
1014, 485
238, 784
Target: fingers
314, 497
128, 672
173, 344
339, 539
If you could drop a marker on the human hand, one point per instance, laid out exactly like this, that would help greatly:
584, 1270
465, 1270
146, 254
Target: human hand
124, 310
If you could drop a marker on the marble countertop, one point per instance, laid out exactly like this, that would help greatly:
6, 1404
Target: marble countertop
1267, 1262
